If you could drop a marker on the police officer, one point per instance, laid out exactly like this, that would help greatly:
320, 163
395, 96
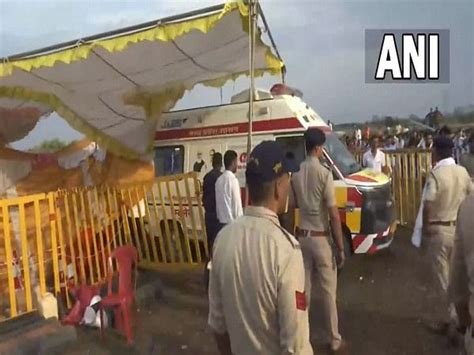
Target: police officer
461, 281
257, 301
314, 194
446, 187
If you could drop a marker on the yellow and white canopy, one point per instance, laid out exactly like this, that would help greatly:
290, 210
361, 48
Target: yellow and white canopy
113, 87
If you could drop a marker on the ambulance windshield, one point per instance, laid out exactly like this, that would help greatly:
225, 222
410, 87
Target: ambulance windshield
341, 156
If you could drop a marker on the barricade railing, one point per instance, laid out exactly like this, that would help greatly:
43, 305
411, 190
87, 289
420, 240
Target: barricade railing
169, 223
409, 172
29, 244
52, 242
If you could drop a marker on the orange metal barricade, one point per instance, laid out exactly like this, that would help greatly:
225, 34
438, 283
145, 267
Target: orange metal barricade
53, 241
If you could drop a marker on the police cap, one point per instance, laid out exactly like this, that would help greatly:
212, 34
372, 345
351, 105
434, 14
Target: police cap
267, 162
442, 143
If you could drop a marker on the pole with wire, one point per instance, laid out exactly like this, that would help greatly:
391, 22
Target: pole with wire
252, 29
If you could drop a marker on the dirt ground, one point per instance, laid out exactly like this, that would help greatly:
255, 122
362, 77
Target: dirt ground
382, 303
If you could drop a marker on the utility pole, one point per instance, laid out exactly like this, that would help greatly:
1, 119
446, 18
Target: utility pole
253, 16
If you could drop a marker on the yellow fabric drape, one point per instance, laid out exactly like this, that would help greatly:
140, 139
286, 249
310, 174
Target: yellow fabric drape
153, 104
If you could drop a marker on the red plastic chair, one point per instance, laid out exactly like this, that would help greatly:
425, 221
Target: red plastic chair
83, 295
122, 301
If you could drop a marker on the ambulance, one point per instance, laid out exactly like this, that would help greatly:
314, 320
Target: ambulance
186, 140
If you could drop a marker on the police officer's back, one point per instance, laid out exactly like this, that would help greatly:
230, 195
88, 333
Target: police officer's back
446, 187
256, 292
461, 282
314, 194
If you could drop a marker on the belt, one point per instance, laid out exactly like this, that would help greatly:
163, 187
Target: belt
302, 233
442, 223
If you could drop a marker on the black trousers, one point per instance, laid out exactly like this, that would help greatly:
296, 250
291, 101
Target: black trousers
213, 226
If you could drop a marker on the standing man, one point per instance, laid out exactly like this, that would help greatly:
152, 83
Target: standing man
209, 199
257, 299
313, 192
228, 200
391, 144
358, 136
367, 132
446, 187
374, 158
467, 159
461, 281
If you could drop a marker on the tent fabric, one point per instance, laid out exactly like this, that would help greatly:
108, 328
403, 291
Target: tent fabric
74, 159
12, 171
80, 164
114, 88
17, 122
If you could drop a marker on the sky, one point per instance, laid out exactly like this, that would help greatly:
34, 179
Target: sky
321, 42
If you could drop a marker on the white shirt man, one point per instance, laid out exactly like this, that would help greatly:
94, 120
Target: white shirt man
401, 143
228, 200
375, 162
358, 134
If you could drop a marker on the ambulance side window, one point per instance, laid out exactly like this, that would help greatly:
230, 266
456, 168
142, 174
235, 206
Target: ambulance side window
293, 147
169, 160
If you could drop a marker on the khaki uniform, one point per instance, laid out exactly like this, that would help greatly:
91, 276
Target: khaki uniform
446, 189
256, 291
461, 282
313, 193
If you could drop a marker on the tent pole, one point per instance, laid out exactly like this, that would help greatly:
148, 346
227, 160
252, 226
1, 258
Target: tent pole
252, 29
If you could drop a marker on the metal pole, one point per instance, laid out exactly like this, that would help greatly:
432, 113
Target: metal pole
252, 29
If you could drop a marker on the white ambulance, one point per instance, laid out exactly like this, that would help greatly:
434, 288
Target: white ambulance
187, 139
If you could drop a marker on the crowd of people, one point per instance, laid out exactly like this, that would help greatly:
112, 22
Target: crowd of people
261, 274
373, 147
359, 141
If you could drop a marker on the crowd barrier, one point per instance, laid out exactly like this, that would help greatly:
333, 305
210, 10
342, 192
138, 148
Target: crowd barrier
52, 242
409, 169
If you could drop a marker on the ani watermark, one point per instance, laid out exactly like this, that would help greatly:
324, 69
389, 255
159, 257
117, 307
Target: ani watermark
407, 56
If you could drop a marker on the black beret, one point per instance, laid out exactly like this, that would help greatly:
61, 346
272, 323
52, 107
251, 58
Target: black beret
314, 137
267, 162
442, 143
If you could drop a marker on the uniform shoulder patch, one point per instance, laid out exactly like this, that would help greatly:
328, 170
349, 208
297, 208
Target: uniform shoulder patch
301, 301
